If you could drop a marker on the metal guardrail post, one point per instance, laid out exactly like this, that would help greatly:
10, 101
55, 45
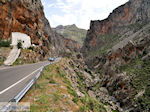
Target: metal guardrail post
23, 92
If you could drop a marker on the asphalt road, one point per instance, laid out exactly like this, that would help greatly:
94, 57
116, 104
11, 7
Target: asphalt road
14, 79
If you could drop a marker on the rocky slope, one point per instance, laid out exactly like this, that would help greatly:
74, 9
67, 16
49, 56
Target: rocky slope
122, 22
117, 48
71, 32
27, 16
66, 85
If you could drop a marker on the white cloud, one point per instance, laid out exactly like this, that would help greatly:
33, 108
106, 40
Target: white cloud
51, 5
80, 12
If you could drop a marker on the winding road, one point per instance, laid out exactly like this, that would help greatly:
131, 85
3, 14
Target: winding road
14, 79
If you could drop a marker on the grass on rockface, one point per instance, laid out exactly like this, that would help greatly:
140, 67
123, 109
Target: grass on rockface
91, 104
109, 40
20, 61
50, 92
140, 72
136, 26
74, 33
80, 81
24, 59
53, 92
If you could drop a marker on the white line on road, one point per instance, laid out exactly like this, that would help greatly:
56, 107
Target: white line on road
18, 66
19, 81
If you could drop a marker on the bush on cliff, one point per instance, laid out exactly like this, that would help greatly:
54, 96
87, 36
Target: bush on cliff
4, 43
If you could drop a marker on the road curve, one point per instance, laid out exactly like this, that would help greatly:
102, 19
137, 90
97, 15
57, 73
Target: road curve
14, 79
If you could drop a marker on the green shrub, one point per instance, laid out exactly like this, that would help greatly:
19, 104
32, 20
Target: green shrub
75, 100
4, 43
72, 92
31, 48
91, 104
83, 109
52, 81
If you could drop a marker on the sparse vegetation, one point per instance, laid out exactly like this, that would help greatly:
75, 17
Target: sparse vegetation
27, 56
54, 92
91, 104
136, 26
21, 61
140, 72
74, 33
50, 91
109, 40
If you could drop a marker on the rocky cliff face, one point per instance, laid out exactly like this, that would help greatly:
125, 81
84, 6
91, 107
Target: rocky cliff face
27, 16
122, 22
24, 16
117, 48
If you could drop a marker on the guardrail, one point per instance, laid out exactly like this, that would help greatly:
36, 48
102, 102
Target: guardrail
27, 87
20, 95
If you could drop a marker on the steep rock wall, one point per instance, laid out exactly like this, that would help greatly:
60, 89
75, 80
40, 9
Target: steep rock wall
123, 69
27, 16
122, 22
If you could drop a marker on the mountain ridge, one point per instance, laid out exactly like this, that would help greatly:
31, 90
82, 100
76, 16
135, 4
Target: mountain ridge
71, 32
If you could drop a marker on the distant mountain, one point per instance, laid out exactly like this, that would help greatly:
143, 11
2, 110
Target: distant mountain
71, 32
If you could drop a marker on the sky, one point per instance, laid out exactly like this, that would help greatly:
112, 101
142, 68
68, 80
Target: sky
79, 12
